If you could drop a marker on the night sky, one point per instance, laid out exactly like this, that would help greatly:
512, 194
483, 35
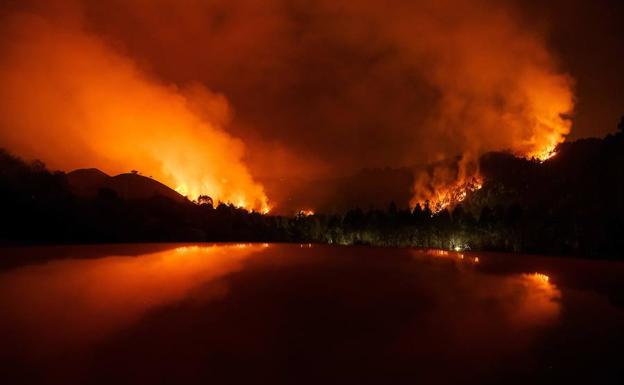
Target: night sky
588, 38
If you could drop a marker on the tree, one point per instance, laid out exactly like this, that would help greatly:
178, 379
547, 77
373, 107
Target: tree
418, 213
427, 210
621, 125
205, 200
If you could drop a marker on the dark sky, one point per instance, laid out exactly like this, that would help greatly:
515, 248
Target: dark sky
588, 37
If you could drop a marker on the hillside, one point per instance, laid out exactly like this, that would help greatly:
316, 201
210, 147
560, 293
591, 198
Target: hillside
89, 182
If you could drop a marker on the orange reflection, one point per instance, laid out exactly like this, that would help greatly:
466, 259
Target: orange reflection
447, 254
98, 296
541, 303
525, 300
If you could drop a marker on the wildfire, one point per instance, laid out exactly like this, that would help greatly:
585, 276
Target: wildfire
539, 277
305, 213
549, 156
543, 156
96, 108
442, 191
551, 124
72, 99
450, 196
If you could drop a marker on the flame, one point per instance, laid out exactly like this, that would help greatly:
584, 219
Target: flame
447, 185
550, 102
447, 196
543, 156
496, 85
96, 108
305, 213
538, 277
501, 90
444, 192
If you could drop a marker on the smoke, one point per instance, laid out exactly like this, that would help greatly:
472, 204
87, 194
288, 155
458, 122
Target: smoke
499, 88
325, 88
72, 101
442, 185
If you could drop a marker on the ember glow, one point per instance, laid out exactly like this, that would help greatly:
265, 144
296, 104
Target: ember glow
230, 93
84, 105
538, 277
449, 255
447, 184
444, 197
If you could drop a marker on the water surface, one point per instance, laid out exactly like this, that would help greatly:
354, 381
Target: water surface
305, 314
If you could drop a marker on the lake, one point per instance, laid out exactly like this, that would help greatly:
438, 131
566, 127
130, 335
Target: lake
305, 314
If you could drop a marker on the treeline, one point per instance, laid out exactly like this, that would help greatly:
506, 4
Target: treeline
38, 206
572, 204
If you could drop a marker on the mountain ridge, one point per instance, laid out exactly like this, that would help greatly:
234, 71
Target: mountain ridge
88, 182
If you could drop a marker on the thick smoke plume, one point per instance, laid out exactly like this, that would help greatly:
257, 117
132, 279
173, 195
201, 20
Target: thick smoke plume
71, 100
318, 88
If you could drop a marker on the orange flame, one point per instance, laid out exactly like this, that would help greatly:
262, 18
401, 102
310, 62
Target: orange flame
538, 277
452, 195
94, 107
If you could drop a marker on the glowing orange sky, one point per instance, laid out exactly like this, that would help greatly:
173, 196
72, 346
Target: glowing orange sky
215, 97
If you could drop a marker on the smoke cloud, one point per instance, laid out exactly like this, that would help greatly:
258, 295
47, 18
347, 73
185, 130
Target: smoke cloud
313, 88
72, 101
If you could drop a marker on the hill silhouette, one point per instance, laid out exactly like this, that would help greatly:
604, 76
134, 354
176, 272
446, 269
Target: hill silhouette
89, 181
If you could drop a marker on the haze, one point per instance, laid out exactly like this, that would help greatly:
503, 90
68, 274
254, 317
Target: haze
221, 97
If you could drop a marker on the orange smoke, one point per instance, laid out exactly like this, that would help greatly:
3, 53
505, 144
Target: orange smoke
445, 184
72, 101
320, 88
500, 89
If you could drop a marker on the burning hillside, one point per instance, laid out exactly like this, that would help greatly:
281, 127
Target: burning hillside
72, 101
228, 94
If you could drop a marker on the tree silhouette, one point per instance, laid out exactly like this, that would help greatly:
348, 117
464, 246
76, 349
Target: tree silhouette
525, 207
205, 200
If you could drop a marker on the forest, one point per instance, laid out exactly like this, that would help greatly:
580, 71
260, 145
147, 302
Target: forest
572, 204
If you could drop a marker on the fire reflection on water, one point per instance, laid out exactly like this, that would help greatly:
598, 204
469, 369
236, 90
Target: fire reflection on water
450, 255
542, 301
75, 304
92, 298
528, 299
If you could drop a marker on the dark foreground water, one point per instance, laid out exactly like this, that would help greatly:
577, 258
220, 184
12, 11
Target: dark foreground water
300, 314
